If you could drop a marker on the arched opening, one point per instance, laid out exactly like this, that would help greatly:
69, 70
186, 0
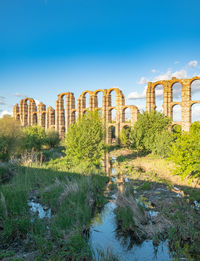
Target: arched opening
177, 92
112, 134
195, 112
43, 119
99, 99
124, 135
158, 91
113, 98
18, 117
99, 112
127, 115
85, 112
195, 90
34, 118
176, 112
176, 128
112, 116
74, 116
87, 97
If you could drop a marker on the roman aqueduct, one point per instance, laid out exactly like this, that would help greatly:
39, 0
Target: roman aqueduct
113, 113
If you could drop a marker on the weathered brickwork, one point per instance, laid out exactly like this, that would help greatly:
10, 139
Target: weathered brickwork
168, 101
66, 112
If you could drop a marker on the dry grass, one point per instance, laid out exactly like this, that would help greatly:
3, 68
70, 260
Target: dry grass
162, 168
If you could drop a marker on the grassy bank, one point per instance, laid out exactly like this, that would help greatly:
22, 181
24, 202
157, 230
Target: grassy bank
72, 199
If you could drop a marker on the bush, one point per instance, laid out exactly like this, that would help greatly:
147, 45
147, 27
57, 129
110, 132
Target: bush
185, 153
34, 137
84, 141
52, 138
126, 137
10, 137
147, 128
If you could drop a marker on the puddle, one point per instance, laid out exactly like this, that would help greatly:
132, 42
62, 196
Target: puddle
104, 235
38, 209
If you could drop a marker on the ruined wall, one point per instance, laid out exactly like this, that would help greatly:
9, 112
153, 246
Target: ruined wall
168, 99
66, 112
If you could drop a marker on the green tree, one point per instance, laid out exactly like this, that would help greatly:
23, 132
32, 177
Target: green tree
34, 137
147, 128
10, 137
185, 153
52, 138
84, 141
126, 137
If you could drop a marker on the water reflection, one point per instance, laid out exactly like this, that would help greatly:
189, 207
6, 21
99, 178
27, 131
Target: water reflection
104, 233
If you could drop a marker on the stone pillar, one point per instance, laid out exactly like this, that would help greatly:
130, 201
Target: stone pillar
149, 93
186, 108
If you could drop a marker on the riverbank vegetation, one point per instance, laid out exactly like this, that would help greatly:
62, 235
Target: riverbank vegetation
51, 189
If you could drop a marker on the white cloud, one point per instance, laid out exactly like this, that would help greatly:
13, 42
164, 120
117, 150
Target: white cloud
37, 102
176, 62
5, 112
193, 63
143, 80
136, 95
154, 71
168, 75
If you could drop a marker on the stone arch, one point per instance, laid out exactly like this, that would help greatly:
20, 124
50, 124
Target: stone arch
126, 114
74, 116
176, 128
112, 134
112, 97
98, 102
195, 111
86, 102
112, 115
176, 112
43, 119
35, 118
158, 92
18, 116
195, 89
176, 91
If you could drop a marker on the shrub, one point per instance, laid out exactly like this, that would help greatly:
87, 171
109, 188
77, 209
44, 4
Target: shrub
84, 141
10, 137
185, 153
126, 137
34, 137
52, 138
147, 128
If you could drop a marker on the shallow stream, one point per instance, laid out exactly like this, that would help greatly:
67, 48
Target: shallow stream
104, 236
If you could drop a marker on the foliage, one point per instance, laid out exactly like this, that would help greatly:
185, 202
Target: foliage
84, 141
34, 137
72, 199
52, 138
185, 153
10, 137
147, 128
126, 137
161, 143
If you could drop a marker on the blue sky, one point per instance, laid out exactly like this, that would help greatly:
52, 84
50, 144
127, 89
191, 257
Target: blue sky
52, 46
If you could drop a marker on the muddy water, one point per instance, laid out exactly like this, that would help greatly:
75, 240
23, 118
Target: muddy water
104, 235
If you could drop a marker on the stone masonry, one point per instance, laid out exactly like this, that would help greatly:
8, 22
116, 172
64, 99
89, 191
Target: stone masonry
67, 110
168, 101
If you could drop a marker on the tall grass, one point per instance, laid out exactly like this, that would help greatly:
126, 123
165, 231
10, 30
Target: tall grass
72, 197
